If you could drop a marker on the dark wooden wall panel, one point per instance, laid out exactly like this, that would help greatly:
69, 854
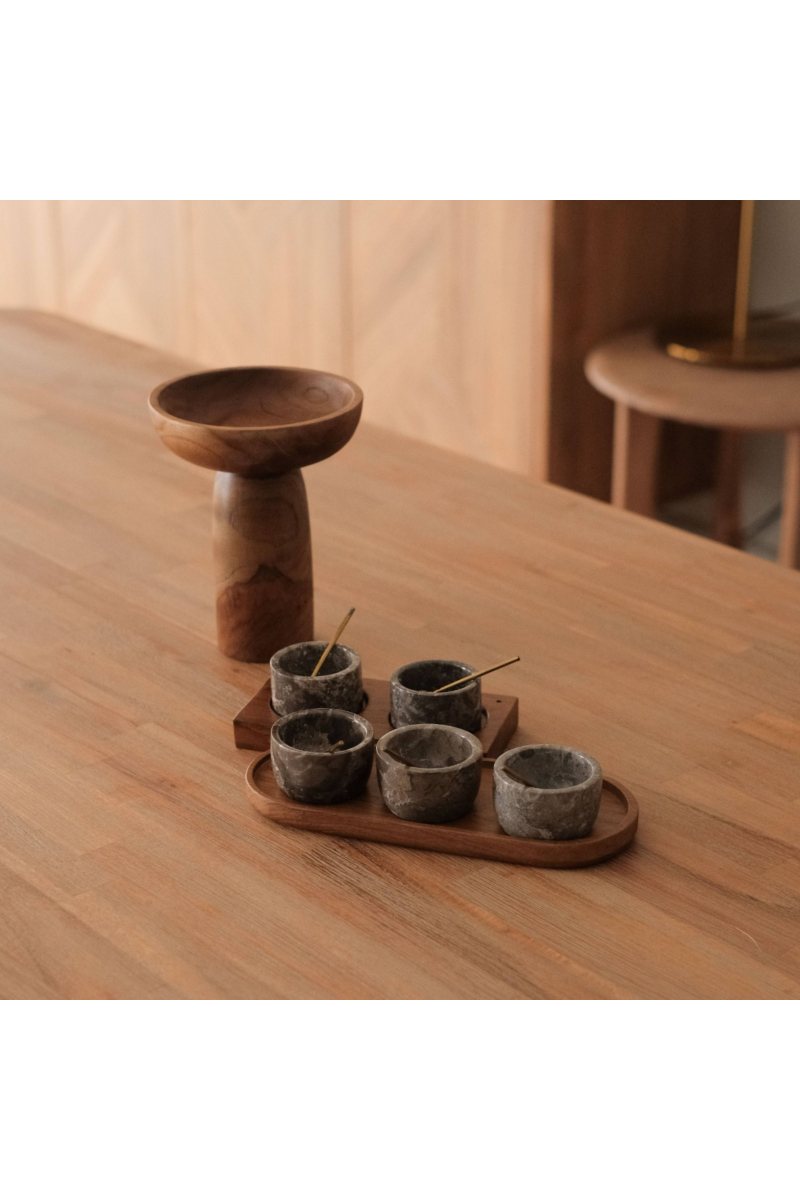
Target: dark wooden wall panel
621, 263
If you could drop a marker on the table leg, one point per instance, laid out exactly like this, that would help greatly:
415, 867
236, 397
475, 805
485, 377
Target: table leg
727, 496
634, 473
789, 552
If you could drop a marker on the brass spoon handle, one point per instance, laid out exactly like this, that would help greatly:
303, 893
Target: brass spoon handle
476, 674
332, 643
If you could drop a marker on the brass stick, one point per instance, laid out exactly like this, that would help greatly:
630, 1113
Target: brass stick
332, 643
741, 303
476, 675
517, 777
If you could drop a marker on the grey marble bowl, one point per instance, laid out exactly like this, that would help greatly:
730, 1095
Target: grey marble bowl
338, 684
413, 701
429, 773
305, 763
547, 792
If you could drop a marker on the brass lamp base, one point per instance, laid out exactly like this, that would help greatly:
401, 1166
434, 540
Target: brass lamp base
768, 343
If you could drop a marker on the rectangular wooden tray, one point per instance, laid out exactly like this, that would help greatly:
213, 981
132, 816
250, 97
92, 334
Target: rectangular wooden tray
252, 725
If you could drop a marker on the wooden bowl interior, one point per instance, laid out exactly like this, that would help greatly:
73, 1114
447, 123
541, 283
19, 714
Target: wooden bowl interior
256, 397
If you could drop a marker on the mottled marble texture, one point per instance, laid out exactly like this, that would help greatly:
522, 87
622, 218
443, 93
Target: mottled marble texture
548, 792
413, 701
338, 684
307, 763
429, 773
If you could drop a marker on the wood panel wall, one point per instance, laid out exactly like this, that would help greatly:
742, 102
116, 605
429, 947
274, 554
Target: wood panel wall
438, 309
620, 263
466, 322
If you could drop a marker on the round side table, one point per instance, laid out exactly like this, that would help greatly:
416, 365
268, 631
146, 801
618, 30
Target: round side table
648, 386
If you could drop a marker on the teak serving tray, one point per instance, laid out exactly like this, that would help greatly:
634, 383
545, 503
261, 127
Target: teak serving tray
477, 835
252, 725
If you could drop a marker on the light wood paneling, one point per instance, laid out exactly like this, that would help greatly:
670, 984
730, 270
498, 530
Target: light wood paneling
125, 268
268, 282
449, 323
438, 309
466, 322
30, 262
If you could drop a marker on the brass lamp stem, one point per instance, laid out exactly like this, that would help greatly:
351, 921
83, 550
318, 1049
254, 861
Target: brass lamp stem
744, 259
771, 339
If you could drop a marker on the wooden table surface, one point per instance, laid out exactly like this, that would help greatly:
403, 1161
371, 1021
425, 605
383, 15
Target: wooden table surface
131, 862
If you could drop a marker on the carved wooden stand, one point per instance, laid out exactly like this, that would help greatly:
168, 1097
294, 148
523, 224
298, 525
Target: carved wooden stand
256, 426
262, 564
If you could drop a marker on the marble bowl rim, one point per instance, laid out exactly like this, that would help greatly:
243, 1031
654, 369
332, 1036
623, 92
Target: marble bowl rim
361, 722
315, 642
475, 755
422, 662
596, 771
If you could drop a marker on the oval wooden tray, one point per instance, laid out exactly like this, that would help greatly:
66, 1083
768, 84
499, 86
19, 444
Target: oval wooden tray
477, 835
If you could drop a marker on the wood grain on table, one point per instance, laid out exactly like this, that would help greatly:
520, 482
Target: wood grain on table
132, 864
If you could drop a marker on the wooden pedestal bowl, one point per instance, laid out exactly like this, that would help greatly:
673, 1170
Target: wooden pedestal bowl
256, 427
